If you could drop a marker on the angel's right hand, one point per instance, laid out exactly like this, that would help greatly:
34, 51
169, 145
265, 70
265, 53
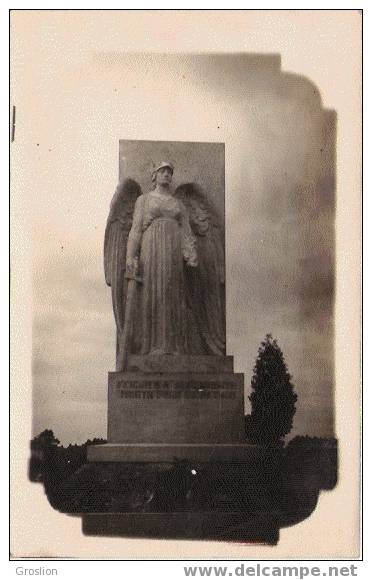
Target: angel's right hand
129, 266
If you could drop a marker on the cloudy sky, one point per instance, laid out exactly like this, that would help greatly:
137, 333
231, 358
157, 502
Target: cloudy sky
279, 147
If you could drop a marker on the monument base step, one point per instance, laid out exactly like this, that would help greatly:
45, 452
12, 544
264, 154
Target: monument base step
180, 364
237, 526
170, 452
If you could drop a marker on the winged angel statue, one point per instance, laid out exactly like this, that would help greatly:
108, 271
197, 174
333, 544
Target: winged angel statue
164, 261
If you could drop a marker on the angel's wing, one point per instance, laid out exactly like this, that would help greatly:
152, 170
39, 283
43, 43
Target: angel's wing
205, 284
118, 226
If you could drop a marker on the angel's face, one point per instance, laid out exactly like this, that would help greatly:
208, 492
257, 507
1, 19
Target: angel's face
164, 176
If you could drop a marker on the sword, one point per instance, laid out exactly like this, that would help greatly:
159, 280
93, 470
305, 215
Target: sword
133, 278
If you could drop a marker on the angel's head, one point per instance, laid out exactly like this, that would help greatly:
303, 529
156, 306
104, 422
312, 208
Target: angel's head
162, 174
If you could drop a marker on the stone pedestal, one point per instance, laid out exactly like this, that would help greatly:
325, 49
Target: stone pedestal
176, 464
217, 526
175, 407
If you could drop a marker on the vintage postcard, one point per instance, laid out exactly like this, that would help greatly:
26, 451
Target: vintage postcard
185, 198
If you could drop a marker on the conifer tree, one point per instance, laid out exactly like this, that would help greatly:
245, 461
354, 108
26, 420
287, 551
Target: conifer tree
273, 397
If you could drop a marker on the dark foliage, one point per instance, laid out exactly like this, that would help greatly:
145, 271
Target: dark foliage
95, 441
273, 397
51, 462
316, 455
276, 488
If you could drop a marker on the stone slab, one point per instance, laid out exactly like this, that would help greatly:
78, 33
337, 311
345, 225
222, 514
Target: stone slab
235, 526
175, 407
180, 364
170, 452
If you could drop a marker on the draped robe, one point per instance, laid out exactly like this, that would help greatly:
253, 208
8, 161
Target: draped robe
162, 239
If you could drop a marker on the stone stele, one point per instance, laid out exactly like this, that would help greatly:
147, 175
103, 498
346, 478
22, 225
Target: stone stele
174, 395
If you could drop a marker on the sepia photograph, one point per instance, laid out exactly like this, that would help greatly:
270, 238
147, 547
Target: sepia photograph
177, 258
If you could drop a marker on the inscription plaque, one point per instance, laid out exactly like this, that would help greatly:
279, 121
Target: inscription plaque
176, 390
154, 408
